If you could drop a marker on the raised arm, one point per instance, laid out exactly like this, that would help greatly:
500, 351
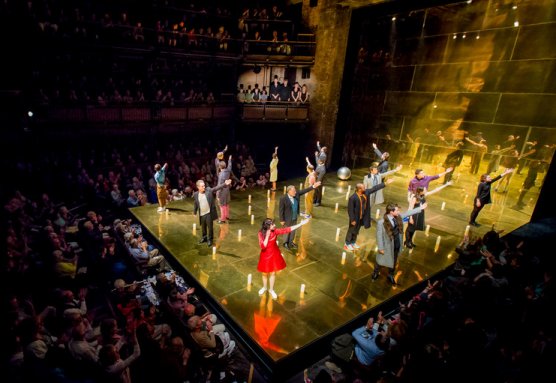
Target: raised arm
300, 224
308, 161
376, 150
230, 163
165, 166
398, 168
276, 150
436, 190
446, 172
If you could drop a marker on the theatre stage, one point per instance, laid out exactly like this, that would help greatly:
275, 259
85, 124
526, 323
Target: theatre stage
335, 291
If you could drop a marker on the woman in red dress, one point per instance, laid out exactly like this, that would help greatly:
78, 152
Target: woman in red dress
271, 259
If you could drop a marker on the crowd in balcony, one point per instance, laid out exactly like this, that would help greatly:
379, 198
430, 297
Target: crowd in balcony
277, 92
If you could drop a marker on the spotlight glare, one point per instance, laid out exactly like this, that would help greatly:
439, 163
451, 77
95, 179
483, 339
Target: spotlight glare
30, 113
455, 36
516, 23
394, 18
514, 7
478, 37
463, 36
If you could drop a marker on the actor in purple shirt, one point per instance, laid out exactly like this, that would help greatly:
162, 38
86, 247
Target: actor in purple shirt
422, 180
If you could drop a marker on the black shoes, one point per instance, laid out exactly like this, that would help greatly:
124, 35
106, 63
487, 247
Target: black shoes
209, 243
391, 280
409, 245
221, 222
316, 204
203, 240
474, 224
293, 245
375, 275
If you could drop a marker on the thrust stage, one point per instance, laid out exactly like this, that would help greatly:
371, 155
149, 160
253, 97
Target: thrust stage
336, 292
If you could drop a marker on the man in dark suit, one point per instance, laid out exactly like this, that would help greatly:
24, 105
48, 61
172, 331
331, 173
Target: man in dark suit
289, 210
321, 171
359, 211
205, 206
483, 195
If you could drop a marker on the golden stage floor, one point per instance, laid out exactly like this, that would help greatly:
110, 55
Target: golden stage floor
335, 291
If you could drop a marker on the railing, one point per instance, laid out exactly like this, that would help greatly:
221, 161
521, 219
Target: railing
283, 111
276, 111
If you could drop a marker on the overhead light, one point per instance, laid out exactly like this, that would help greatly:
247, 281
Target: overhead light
514, 7
30, 113
463, 36
455, 36
516, 23
394, 18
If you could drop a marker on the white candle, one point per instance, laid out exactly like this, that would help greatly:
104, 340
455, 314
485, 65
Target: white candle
249, 198
443, 206
465, 198
377, 213
336, 208
252, 219
268, 193
301, 186
324, 187
285, 190
214, 250
347, 195
194, 229
466, 231
349, 188
427, 229
239, 235
249, 209
167, 212
337, 234
268, 201
344, 258
302, 290
437, 245
249, 279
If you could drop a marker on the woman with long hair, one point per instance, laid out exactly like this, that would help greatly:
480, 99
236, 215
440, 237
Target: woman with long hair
271, 260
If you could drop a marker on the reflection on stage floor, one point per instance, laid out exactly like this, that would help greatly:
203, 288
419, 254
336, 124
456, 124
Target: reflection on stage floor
337, 287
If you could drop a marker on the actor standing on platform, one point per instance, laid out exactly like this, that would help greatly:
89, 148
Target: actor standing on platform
359, 211
417, 221
274, 169
483, 194
309, 181
320, 171
203, 203
289, 210
374, 178
271, 260
223, 195
161, 192
389, 237
422, 180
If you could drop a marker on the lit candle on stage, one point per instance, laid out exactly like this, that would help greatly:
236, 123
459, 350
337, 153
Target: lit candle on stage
167, 212
214, 250
337, 234
427, 229
268, 193
323, 188
301, 186
465, 198
344, 258
302, 290
466, 231
249, 209
437, 245
239, 235
268, 201
377, 213
194, 229
349, 189
285, 190
347, 195
252, 219
249, 198
336, 208
443, 206
249, 279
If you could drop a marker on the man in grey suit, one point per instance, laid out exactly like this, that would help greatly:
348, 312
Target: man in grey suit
203, 203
